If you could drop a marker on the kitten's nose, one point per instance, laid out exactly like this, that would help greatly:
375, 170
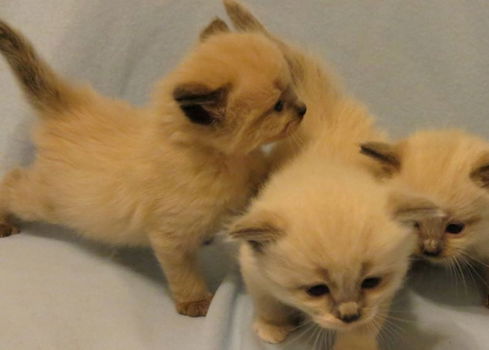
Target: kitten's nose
431, 248
350, 318
301, 109
348, 312
432, 253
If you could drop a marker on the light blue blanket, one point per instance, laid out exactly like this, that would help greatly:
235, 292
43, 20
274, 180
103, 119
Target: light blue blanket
416, 64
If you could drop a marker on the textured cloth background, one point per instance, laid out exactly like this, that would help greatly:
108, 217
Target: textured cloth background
415, 63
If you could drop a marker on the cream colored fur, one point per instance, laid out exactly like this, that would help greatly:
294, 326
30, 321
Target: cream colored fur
450, 167
323, 219
334, 225
152, 176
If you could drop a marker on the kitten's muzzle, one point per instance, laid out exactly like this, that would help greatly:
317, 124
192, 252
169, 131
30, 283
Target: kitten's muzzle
301, 109
350, 318
349, 312
431, 248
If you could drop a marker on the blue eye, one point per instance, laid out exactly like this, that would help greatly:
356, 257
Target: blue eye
279, 106
318, 290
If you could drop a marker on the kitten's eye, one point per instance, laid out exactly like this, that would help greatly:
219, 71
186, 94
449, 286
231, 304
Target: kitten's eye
371, 283
318, 290
455, 228
417, 226
279, 106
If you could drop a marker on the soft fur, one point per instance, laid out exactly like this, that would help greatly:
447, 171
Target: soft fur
165, 175
343, 122
452, 168
323, 218
334, 225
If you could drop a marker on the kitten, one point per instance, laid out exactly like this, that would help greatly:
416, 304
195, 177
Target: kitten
332, 115
452, 168
165, 175
326, 241
323, 238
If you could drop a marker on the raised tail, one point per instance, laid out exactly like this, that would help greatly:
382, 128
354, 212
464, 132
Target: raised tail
242, 18
43, 88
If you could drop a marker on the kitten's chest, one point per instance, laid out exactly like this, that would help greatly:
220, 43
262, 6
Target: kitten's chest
203, 195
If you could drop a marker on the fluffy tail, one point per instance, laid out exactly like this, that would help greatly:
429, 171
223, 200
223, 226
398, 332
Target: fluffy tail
43, 88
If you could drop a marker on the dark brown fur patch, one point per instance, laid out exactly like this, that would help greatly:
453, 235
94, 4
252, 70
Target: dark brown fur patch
383, 153
242, 18
215, 27
37, 80
201, 104
481, 176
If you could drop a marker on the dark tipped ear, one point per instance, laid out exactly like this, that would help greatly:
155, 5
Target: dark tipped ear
201, 104
410, 208
242, 18
386, 154
480, 174
215, 27
258, 229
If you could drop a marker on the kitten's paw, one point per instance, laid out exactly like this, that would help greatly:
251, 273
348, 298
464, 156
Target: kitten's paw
196, 308
8, 230
271, 333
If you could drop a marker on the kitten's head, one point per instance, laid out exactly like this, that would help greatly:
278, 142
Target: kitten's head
233, 92
334, 245
451, 168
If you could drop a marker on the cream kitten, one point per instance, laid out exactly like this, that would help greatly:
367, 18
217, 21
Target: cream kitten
324, 238
326, 241
165, 175
347, 121
451, 167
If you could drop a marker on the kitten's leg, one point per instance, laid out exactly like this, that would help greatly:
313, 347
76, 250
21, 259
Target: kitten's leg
178, 258
274, 321
15, 193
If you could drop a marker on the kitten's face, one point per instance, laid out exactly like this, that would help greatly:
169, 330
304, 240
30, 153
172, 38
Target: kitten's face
451, 168
339, 290
335, 253
236, 93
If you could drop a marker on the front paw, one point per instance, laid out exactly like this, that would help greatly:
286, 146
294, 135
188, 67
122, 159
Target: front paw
272, 333
8, 230
197, 308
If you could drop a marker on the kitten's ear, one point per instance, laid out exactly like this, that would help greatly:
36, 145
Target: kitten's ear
480, 174
217, 26
386, 154
201, 104
242, 18
410, 208
258, 229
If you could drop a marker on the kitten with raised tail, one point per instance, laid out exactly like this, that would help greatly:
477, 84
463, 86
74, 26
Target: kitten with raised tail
166, 175
325, 240
451, 167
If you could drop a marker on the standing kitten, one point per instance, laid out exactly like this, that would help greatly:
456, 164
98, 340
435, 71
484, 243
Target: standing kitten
326, 241
452, 168
165, 175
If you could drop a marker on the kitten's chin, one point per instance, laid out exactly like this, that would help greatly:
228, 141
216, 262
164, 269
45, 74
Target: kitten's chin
331, 322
